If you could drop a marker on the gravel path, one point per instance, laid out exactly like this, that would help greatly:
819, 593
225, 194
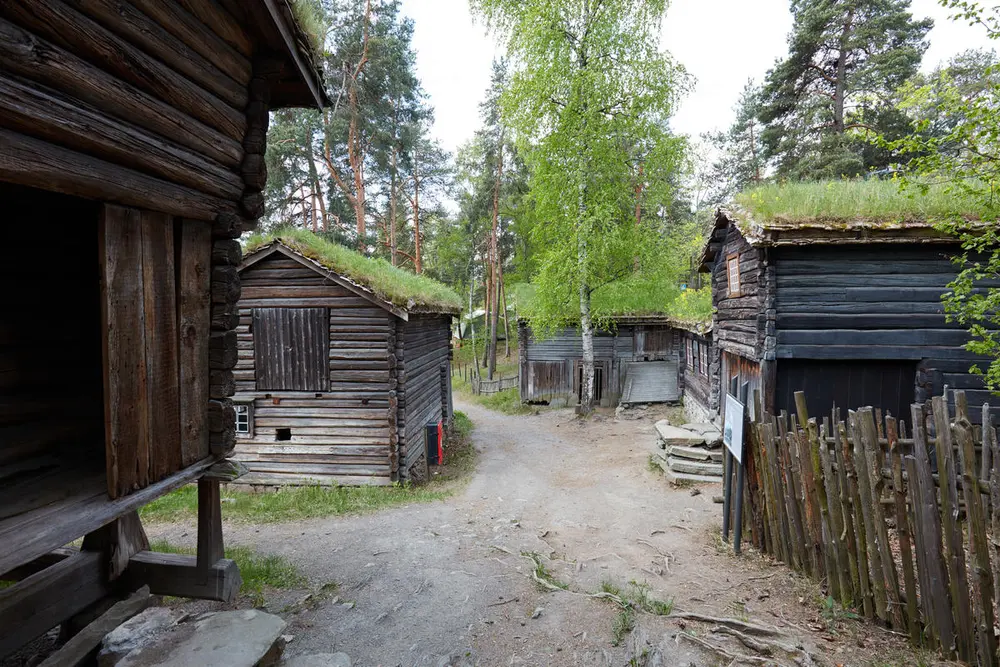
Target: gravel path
445, 583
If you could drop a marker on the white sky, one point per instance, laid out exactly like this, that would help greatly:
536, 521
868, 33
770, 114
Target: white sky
723, 43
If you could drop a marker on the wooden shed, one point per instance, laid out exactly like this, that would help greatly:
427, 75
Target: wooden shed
848, 311
699, 371
635, 361
131, 158
341, 379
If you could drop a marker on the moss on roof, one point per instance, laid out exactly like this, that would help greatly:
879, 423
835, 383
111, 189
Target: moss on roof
401, 288
872, 203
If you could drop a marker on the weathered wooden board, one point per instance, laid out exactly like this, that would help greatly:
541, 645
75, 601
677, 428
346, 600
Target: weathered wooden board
193, 297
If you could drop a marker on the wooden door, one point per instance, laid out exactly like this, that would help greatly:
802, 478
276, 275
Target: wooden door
155, 300
651, 343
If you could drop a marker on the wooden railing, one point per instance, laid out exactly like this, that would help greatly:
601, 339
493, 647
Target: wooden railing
904, 529
480, 386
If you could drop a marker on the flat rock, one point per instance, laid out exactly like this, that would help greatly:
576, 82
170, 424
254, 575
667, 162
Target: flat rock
694, 453
674, 435
694, 467
135, 633
318, 660
704, 428
245, 638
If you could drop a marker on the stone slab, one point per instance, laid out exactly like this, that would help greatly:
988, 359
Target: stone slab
674, 435
693, 453
694, 467
318, 660
137, 632
245, 638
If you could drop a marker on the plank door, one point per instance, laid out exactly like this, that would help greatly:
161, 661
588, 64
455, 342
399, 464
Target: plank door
154, 292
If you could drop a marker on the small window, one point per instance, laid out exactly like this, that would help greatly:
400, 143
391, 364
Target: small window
703, 360
733, 272
689, 354
244, 420
283, 434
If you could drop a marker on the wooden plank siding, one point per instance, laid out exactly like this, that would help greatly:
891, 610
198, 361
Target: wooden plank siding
700, 384
737, 328
340, 435
423, 349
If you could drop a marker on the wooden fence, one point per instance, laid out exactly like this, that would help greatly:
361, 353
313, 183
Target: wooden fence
470, 374
903, 527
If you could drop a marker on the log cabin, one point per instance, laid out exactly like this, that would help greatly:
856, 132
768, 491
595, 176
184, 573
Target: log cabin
698, 371
847, 311
132, 134
344, 374
635, 361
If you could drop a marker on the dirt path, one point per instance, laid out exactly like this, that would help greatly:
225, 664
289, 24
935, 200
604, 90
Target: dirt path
420, 583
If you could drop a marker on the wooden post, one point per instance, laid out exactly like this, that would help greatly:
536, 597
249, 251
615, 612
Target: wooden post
860, 524
838, 573
210, 546
982, 575
954, 550
903, 531
847, 512
867, 514
727, 476
928, 526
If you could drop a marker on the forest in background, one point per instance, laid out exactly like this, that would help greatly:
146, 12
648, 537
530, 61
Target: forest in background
574, 201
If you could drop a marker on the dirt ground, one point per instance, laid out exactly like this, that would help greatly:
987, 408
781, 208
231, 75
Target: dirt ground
446, 583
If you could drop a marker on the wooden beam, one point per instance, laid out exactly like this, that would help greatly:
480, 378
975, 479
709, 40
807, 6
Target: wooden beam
47, 598
44, 113
37, 565
210, 546
39, 164
180, 576
81, 645
308, 76
38, 60
118, 541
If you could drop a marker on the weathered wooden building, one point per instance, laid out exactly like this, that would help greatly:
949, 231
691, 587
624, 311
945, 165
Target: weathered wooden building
698, 371
635, 361
131, 158
337, 382
848, 311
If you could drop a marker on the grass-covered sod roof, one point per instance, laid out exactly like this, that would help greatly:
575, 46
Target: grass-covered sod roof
875, 202
398, 287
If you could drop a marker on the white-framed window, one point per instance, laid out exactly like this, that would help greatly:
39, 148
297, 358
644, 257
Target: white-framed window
703, 359
733, 274
244, 420
690, 354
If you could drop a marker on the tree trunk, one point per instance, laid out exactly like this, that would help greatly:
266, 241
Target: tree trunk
393, 194
586, 326
494, 311
418, 265
840, 90
506, 323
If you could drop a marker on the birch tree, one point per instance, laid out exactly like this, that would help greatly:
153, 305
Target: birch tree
588, 84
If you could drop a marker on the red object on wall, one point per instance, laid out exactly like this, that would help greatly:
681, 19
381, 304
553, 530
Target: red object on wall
441, 443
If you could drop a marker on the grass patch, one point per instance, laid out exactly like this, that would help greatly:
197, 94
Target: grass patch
459, 454
874, 200
402, 288
623, 624
506, 402
292, 503
258, 571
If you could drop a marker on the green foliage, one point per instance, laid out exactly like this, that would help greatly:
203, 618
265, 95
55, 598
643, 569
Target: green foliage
740, 158
395, 285
623, 624
291, 503
836, 86
461, 426
956, 146
259, 572
846, 200
693, 305
542, 573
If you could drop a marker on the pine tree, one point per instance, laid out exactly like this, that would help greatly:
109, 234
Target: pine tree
846, 58
739, 159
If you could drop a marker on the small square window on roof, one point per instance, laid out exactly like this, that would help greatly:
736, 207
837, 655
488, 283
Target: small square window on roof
733, 274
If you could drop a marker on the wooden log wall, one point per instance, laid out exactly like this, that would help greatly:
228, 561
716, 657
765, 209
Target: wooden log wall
51, 398
736, 328
906, 541
701, 386
874, 303
340, 436
423, 349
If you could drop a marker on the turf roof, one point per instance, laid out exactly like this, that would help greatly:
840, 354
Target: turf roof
392, 284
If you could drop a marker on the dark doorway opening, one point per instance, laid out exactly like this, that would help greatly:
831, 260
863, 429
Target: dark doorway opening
598, 383
849, 385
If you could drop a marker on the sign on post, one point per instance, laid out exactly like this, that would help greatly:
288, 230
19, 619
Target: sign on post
732, 435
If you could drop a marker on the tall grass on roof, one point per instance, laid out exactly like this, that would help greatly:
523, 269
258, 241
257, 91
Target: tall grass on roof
874, 200
402, 288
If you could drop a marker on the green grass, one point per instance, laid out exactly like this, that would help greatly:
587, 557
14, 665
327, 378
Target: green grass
258, 571
402, 288
847, 200
543, 573
292, 503
623, 624
507, 402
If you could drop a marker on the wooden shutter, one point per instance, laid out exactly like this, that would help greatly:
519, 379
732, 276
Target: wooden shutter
292, 349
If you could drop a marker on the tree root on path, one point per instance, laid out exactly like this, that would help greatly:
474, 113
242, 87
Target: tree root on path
735, 658
800, 655
749, 628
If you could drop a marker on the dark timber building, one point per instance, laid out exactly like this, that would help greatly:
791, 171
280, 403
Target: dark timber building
131, 157
635, 361
698, 374
336, 383
849, 312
